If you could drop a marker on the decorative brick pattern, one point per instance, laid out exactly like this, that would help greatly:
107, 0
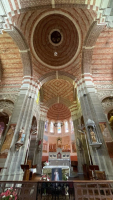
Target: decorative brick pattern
102, 58
6, 106
107, 104
12, 69
43, 46
90, 40
58, 112
93, 34
58, 88
26, 21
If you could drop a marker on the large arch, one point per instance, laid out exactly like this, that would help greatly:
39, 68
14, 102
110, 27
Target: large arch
57, 75
24, 50
89, 44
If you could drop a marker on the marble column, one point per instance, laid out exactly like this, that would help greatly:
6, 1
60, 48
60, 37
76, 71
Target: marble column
39, 147
79, 147
92, 109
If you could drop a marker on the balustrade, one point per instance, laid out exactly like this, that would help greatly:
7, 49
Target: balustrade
72, 190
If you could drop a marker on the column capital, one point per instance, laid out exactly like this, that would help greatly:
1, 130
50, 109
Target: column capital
76, 114
43, 112
85, 85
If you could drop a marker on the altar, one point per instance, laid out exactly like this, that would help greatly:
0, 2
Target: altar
57, 160
48, 169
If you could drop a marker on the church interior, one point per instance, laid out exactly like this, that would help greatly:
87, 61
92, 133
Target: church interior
56, 98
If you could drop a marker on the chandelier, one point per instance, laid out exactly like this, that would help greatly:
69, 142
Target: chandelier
57, 124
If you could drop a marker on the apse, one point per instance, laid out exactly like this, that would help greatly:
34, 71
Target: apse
59, 133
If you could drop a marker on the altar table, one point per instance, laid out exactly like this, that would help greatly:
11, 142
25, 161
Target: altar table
48, 169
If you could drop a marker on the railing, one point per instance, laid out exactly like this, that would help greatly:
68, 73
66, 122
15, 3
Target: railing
71, 190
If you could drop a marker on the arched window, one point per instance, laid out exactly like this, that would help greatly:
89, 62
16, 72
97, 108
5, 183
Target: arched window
46, 126
51, 127
72, 127
59, 127
66, 127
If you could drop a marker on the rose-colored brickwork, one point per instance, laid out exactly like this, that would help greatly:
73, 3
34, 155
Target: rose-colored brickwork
12, 69
102, 58
58, 112
45, 48
58, 88
26, 21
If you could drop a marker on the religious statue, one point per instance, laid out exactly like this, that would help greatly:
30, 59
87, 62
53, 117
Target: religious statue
8, 139
93, 137
20, 140
59, 142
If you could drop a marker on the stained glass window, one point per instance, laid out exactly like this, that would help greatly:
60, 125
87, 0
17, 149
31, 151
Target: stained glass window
51, 127
72, 127
46, 126
59, 128
66, 127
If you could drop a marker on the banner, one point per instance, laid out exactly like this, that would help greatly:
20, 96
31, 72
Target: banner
38, 97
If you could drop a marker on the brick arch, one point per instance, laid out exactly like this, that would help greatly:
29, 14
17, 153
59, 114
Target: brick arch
57, 75
108, 109
24, 50
107, 104
104, 96
7, 111
6, 106
23, 5
89, 43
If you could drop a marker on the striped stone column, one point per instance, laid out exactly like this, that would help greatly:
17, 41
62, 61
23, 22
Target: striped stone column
22, 117
92, 109
39, 142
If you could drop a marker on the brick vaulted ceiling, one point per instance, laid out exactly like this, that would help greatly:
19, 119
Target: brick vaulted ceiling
72, 25
37, 26
58, 112
45, 44
58, 88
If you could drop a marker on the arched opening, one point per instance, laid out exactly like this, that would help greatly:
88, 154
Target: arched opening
4, 119
59, 136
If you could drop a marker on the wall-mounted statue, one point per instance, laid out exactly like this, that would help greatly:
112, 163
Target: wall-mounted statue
93, 136
20, 140
8, 139
59, 142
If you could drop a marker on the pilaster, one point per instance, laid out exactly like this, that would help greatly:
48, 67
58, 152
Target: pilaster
79, 147
39, 142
